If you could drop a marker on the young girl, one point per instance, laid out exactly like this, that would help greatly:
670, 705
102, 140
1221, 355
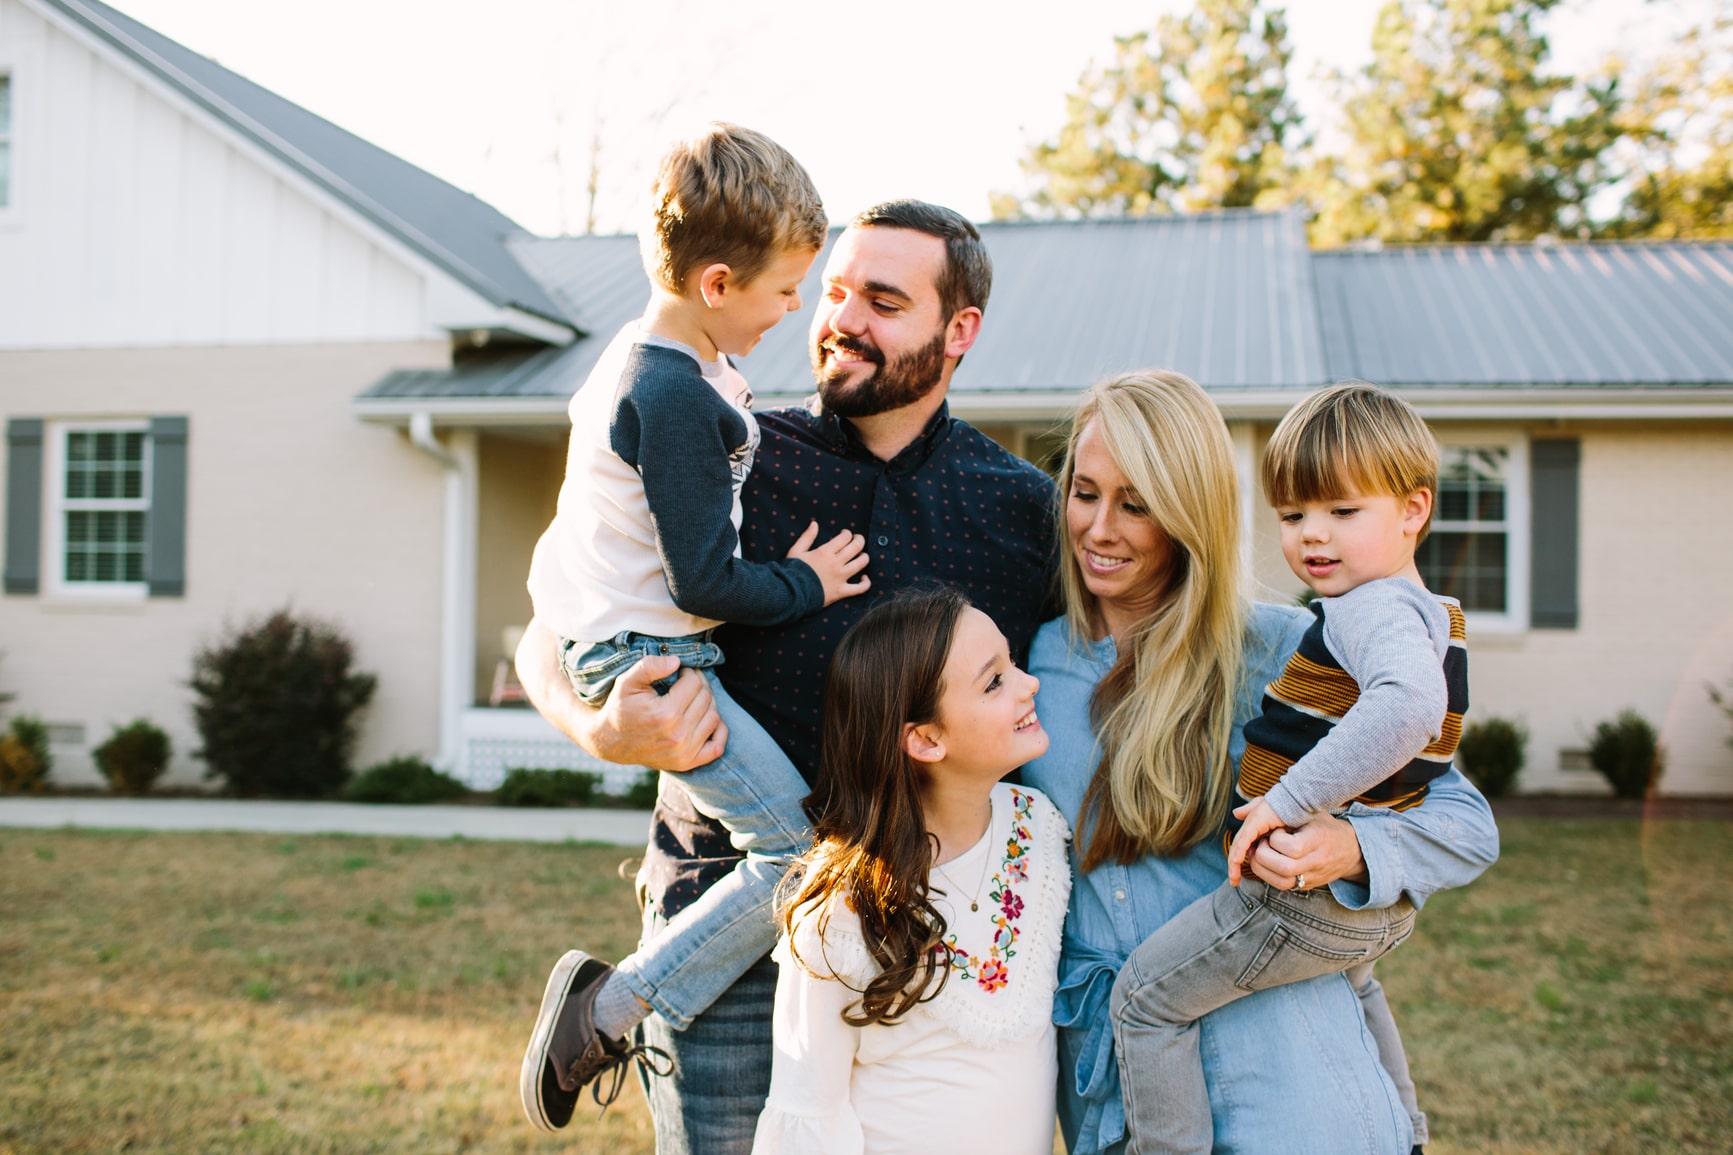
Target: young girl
921, 943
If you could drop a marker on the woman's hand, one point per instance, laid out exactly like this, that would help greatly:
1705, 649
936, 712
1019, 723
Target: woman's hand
1317, 854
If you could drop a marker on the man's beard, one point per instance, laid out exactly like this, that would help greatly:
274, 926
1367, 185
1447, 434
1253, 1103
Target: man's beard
904, 381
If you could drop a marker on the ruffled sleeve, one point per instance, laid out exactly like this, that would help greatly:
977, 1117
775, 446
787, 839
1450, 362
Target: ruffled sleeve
808, 1110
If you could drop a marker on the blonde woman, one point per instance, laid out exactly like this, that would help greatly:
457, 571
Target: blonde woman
1147, 683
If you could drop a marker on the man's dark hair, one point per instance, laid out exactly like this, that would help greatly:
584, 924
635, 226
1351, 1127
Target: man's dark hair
967, 277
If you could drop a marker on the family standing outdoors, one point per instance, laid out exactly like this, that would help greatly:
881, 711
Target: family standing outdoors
831, 626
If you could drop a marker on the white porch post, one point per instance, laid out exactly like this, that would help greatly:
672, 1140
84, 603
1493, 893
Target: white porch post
1245, 466
459, 454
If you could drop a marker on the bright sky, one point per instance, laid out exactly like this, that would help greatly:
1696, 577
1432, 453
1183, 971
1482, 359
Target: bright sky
936, 99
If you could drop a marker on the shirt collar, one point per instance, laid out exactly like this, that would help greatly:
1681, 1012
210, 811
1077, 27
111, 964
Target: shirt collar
843, 437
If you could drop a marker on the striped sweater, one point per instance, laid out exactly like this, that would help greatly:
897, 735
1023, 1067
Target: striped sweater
1369, 709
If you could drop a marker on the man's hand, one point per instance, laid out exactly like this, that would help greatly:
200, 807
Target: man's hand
637, 726
835, 562
1259, 818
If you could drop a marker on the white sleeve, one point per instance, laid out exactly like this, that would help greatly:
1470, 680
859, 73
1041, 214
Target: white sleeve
808, 1111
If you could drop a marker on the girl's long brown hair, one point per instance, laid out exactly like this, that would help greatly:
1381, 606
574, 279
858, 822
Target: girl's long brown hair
871, 846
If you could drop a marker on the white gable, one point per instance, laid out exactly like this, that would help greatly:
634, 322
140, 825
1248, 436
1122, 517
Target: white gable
138, 219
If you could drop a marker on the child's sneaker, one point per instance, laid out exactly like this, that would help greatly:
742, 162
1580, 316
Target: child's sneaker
566, 1053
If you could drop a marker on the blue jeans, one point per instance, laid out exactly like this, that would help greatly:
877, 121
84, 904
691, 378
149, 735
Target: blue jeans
1224, 946
754, 791
710, 1104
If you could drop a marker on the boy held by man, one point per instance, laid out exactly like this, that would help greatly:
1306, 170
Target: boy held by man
642, 558
1367, 711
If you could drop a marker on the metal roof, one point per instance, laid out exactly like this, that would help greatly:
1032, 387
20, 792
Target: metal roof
1536, 315
1223, 297
462, 235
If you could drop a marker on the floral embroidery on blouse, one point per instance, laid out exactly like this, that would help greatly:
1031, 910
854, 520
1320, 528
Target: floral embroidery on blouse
989, 971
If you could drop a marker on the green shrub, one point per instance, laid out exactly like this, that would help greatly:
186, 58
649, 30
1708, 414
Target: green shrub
407, 781
1491, 754
24, 757
1723, 702
641, 795
134, 757
546, 788
1627, 752
276, 705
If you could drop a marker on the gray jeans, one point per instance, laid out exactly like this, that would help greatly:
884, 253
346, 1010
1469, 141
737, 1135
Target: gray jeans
1227, 944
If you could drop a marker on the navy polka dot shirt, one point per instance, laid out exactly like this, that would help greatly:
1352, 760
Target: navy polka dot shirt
954, 507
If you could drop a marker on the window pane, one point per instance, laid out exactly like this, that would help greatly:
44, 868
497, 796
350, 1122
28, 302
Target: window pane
6, 106
1471, 484
105, 546
1470, 567
78, 528
5, 173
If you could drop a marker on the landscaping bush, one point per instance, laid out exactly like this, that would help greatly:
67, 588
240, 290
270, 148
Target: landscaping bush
1724, 702
641, 795
134, 757
24, 757
276, 707
1491, 753
546, 788
407, 781
1627, 752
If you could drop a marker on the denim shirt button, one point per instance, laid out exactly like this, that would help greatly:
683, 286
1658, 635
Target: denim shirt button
1119, 895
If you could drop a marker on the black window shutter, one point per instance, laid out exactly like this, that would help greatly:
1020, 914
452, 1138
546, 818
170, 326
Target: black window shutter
1553, 466
167, 562
23, 505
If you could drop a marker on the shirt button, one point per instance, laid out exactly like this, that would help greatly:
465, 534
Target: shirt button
883, 540
1119, 895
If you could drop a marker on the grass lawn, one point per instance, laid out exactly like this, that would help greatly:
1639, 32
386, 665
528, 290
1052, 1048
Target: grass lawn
251, 993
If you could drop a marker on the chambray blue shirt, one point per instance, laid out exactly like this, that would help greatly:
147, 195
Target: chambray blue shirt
953, 507
1290, 1069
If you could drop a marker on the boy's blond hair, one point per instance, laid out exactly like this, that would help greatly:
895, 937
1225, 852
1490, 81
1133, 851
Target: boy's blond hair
728, 195
1350, 435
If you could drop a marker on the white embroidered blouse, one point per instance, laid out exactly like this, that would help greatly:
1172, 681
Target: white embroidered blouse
972, 1069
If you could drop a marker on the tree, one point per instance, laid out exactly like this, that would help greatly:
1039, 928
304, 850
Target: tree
1678, 129
1193, 115
1455, 132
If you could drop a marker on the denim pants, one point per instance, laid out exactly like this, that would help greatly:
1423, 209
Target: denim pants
1225, 945
711, 1102
754, 791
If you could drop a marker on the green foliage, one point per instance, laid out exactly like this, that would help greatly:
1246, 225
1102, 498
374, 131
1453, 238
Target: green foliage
134, 757
1627, 752
547, 788
641, 795
24, 757
406, 781
1723, 702
1192, 115
1490, 754
276, 706
1458, 132
1677, 123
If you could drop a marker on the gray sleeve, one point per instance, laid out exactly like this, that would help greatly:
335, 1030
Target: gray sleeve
1388, 636
672, 428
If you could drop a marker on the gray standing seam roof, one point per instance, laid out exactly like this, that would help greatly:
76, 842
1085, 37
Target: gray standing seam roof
1612, 315
454, 230
1224, 297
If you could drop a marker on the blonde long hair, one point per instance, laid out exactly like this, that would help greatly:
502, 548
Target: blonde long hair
1164, 713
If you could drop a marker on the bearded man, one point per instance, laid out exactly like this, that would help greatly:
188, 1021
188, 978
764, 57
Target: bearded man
878, 453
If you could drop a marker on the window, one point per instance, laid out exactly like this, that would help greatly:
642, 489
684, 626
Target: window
5, 140
1477, 551
100, 487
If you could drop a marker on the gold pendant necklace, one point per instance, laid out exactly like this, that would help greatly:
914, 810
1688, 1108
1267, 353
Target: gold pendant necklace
986, 860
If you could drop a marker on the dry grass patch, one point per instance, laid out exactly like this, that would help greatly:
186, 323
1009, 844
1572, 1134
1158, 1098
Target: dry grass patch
251, 993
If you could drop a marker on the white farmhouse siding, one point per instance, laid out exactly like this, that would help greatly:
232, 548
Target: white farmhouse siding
140, 219
291, 502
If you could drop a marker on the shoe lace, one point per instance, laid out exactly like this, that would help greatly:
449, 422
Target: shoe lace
652, 1060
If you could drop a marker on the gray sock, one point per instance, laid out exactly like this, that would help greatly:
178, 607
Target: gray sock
617, 1009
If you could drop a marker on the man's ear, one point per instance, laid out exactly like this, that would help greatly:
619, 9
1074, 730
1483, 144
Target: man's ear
961, 332
1416, 509
923, 743
714, 281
